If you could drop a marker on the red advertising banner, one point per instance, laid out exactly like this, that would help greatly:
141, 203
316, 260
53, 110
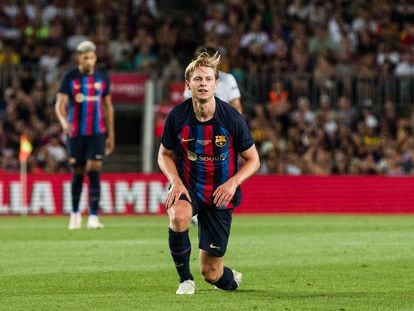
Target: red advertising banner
128, 88
145, 194
176, 91
328, 194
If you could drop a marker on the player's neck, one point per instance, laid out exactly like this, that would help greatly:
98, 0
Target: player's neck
85, 71
204, 111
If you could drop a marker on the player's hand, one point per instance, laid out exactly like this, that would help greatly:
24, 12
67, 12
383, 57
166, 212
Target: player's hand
224, 193
109, 144
173, 195
66, 127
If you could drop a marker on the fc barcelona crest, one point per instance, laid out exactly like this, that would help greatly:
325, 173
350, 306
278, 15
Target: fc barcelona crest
220, 140
79, 98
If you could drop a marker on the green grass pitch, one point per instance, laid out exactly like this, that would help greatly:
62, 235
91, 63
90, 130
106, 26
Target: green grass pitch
288, 263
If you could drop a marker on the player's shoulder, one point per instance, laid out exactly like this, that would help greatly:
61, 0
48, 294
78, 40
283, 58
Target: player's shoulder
228, 115
181, 113
182, 108
101, 73
71, 73
227, 110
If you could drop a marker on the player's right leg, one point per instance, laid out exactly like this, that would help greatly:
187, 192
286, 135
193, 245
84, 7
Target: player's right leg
75, 148
75, 221
180, 245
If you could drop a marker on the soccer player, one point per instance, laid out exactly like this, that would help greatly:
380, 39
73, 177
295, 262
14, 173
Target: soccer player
227, 88
85, 112
206, 135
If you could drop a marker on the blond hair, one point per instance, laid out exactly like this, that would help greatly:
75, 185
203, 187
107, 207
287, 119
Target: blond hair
203, 59
86, 46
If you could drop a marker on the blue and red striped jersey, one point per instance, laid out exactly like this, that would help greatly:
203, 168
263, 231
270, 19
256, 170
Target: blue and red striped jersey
207, 152
85, 92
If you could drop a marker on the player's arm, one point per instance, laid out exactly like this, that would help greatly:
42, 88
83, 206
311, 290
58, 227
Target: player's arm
236, 103
108, 109
234, 93
61, 111
168, 167
225, 192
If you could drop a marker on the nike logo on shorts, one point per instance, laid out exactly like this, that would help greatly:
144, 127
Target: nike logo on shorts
214, 246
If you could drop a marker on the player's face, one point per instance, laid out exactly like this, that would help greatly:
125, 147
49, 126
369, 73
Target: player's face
202, 83
87, 61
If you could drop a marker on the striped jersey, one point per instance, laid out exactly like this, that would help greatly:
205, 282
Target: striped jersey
86, 93
207, 152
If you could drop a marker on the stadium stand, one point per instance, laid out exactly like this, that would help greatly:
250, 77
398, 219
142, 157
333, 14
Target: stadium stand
327, 86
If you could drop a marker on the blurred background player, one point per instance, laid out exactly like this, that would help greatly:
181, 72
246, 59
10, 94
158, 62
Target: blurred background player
227, 88
85, 112
206, 134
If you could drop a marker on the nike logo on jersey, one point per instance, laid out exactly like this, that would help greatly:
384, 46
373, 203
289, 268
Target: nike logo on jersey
187, 139
214, 246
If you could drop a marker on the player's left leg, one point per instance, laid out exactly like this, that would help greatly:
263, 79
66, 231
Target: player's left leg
214, 231
214, 272
95, 153
94, 168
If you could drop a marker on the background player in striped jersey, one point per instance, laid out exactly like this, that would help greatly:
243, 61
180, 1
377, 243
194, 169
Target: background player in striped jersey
85, 112
206, 134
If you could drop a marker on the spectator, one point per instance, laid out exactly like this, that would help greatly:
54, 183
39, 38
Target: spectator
278, 93
349, 51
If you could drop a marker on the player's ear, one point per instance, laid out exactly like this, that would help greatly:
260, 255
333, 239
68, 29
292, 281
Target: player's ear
187, 84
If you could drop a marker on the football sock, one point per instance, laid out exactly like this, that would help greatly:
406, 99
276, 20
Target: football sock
180, 247
94, 192
226, 282
76, 189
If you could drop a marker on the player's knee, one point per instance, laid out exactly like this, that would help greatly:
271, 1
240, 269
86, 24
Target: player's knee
79, 170
94, 166
180, 222
210, 274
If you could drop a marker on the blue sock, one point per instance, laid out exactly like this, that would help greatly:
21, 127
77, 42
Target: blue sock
180, 247
76, 189
226, 282
94, 192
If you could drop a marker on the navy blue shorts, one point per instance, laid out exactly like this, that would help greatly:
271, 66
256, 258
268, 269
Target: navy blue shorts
213, 226
84, 148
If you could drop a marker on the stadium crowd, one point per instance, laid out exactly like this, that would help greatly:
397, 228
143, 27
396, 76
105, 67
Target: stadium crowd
324, 39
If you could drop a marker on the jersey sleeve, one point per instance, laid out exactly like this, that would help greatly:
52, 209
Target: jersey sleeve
169, 139
233, 89
242, 137
65, 85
